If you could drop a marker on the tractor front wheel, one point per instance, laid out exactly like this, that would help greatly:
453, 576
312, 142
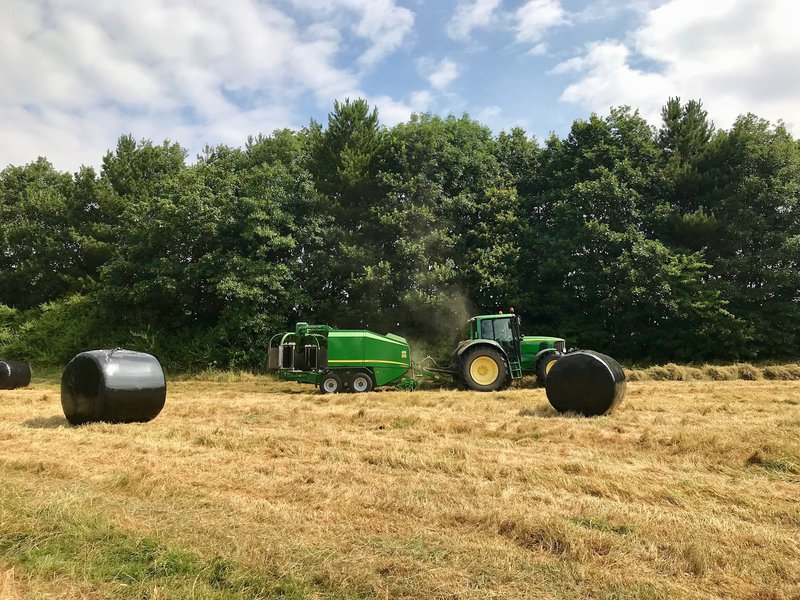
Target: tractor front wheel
484, 370
331, 383
543, 362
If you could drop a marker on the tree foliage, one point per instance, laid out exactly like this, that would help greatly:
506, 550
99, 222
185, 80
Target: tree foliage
680, 242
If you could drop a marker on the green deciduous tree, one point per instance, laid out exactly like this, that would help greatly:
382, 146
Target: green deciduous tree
750, 182
211, 256
676, 243
595, 271
41, 244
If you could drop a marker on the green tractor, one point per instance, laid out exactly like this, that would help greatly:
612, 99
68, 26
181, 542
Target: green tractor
496, 353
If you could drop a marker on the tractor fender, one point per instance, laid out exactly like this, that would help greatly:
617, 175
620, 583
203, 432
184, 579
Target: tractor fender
541, 353
481, 342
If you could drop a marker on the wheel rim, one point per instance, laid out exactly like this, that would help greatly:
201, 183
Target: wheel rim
330, 385
360, 384
549, 366
484, 370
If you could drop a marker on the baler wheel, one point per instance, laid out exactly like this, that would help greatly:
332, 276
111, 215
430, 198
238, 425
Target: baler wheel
360, 382
331, 383
484, 370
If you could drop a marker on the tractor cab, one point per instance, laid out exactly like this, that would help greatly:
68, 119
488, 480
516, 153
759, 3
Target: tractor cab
503, 329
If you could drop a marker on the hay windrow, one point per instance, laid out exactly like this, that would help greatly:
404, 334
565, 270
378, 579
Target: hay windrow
741, 371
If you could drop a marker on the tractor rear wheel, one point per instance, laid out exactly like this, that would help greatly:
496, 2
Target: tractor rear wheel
331, 383
360, 382
543, 362
484, 370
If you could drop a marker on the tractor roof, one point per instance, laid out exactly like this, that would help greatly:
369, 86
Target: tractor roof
495, 316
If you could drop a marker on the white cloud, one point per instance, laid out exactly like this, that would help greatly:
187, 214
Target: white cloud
605, 74
386, 25
392, 111
604, 10
439, 74
736, 55
539, 49
76, 74
488, 114
383, 23
535, 17
470, 16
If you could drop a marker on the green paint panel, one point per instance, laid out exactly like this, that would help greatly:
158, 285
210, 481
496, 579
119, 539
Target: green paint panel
532, 345
388, 356
299, 376
384, 375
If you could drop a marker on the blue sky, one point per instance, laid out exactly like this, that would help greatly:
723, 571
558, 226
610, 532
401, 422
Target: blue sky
75, 74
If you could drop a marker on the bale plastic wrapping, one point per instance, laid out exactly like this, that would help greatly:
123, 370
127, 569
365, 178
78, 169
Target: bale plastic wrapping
112, 386
585, 382
14, 374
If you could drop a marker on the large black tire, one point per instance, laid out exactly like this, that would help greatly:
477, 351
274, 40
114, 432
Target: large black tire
360, 383
543, 362
331, 383
479, 365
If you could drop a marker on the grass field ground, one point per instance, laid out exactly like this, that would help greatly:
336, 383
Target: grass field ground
252, 488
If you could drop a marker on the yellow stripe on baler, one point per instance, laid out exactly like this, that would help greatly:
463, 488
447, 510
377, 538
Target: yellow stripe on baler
357, 360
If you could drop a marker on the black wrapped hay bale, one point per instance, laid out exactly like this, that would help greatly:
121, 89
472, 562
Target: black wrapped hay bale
585, 382
14, 374
113, 386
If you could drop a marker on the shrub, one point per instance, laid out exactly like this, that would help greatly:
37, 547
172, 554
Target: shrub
8, 318
53, 333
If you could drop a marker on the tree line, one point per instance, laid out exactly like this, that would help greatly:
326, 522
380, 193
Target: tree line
652, 243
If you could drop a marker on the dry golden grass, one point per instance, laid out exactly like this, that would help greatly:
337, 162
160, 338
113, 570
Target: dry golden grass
251, 488
743, 371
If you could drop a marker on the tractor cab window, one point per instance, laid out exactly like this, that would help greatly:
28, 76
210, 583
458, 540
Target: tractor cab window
497, 329
502, 330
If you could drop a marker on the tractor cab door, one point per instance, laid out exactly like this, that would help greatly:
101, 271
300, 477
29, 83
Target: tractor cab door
517, 337
504, 331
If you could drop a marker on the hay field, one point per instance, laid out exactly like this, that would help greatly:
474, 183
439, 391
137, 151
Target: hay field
255, 489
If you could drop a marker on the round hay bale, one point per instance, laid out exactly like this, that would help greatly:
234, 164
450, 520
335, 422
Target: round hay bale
585, 382
14, 374
112, 386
